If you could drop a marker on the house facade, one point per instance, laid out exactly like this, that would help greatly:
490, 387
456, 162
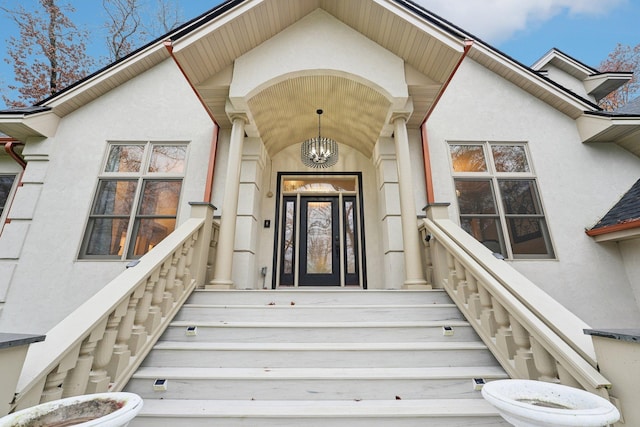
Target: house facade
422, 112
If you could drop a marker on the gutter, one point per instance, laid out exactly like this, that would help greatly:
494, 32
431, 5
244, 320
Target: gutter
628, 225
168, 44
428, 176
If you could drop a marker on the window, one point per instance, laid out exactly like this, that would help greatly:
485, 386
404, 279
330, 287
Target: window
498, 198
136, 200
6, 185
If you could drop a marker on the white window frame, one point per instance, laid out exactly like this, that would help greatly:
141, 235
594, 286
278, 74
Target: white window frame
494, 177
7, 203
141, 177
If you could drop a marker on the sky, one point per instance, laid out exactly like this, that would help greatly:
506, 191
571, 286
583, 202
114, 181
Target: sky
587, 30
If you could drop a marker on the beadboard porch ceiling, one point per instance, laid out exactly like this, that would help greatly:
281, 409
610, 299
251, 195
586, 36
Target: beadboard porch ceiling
211, 49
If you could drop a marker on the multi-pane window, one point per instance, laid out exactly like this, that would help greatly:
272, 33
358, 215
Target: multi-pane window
136, 200
6, 185
498, 198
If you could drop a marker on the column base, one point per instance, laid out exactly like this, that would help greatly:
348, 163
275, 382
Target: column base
416, 285
219, 284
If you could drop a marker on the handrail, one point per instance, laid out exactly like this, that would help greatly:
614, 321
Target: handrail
99, 345
531, 334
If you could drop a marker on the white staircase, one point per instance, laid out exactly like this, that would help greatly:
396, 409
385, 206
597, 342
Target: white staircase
316, 357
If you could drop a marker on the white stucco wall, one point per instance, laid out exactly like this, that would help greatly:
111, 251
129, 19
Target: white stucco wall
49, 282
578, 184
567, 80
630, 250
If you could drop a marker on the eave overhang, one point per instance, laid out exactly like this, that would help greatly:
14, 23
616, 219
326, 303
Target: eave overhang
23, 125
565, 63
532, 82
602, 84
617, 232
420, 40
623, 130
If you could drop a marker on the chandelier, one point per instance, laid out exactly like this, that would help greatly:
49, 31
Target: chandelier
319, 152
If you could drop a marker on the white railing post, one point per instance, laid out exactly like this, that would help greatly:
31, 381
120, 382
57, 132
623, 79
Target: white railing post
202, 248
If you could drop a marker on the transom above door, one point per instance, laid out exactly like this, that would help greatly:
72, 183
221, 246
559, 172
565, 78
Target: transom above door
318, 238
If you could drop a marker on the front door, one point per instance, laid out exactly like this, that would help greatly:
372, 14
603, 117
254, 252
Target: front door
319, 241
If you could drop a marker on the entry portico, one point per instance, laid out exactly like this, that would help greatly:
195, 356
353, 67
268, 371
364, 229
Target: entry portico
369, 105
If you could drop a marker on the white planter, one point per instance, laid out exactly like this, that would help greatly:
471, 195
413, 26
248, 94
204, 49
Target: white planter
527, 403
101, 409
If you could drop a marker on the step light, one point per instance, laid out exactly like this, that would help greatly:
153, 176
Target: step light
160, 385
191, 331
447, 331
478, 383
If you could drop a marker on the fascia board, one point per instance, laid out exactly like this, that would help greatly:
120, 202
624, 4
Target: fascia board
23, 126
567, 62
613, 81
203, 31
538, 80
592, 127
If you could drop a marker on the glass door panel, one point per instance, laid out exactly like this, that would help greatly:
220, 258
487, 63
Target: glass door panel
319, 241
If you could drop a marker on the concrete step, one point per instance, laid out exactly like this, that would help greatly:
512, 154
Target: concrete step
306, 313
317, 297
319, 331
312, 383
317, 358
320, 413
343, 355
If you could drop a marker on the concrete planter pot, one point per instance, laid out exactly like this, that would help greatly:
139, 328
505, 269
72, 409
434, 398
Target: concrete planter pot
527, 403
101, 409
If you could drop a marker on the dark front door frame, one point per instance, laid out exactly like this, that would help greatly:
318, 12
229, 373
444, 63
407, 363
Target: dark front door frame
352, 278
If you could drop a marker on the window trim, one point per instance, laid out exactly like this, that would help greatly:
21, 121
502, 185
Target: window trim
495, 177
10, 196
140, 178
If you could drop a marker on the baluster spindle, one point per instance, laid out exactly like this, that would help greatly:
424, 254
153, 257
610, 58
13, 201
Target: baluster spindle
545, 362
99, 378
139, 333
504, 336
121, 353
475, 306
523, 358
487, 317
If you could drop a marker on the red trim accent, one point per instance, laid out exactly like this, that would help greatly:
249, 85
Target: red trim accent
423, 127
168, 44
613, 228
427, 165
216, 128
212, 163
467, 47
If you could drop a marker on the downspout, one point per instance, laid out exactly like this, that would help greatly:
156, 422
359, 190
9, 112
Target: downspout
9, 147
168, 44
423, 127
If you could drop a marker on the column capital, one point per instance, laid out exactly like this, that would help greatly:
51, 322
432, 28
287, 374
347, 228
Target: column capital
235, 114
402, 113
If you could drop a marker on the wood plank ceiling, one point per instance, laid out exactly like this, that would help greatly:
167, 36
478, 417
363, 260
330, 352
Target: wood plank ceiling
355, 114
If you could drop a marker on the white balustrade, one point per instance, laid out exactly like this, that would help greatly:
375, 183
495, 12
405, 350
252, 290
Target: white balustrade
99, 346
531, 335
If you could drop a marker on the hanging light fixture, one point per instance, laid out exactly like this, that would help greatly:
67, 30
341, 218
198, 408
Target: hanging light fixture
319, 152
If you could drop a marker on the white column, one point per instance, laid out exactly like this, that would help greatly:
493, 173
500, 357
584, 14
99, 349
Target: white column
226, 238
414, 274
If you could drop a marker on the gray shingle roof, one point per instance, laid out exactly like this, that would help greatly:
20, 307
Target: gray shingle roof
626, 210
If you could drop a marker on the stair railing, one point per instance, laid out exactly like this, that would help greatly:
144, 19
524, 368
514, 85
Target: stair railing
531, 334
99, 346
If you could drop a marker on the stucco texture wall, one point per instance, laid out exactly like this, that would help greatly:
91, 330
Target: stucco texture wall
578, 183
49, 282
